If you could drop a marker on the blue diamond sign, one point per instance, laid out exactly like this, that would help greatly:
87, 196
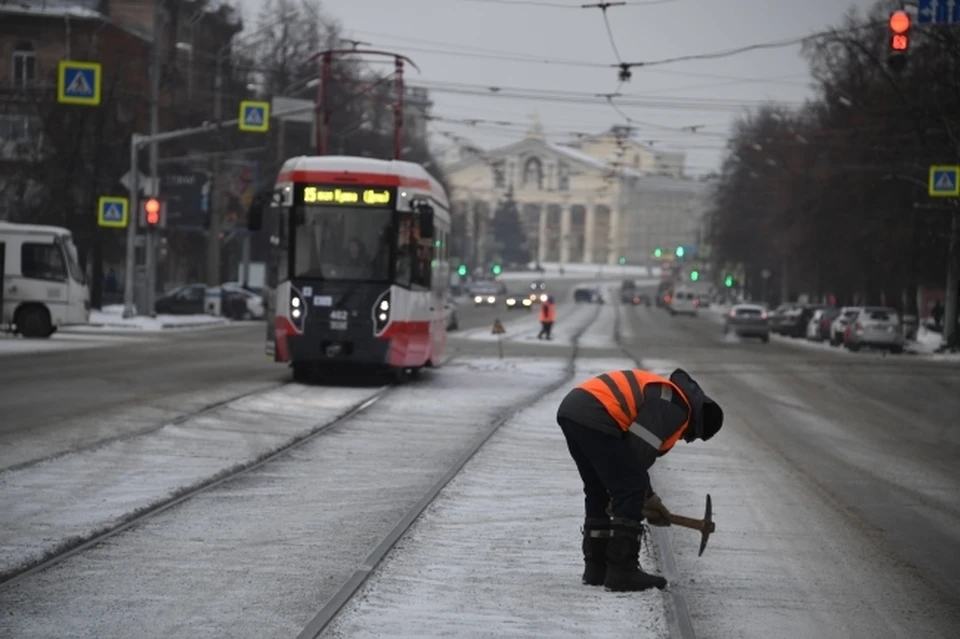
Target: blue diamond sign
113, 212
254, 116
944, 181
938, 12
79, 83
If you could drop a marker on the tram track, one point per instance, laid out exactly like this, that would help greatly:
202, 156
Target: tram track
335, 604
680, 623
77, 545
183, 418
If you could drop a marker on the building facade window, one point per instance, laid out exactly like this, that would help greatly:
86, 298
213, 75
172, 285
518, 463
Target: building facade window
24, 64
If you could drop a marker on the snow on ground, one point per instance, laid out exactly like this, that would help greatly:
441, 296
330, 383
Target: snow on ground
44, 506
60, 341
111, 317
570, 319
497, 554
258, 556
577, 271
602, 334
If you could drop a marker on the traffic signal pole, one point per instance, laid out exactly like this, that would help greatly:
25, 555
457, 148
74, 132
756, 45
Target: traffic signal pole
137, 141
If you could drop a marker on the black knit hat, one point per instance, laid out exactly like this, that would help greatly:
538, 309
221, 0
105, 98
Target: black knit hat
707, 417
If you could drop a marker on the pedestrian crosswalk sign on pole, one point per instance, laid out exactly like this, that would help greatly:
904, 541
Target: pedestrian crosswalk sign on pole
254, 116
79, 83
944, 181
113, 212
498, 328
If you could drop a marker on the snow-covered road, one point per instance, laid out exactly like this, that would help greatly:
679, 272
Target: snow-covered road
57, 503
280, 540
497, 554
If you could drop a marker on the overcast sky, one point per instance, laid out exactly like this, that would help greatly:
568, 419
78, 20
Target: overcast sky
457, 41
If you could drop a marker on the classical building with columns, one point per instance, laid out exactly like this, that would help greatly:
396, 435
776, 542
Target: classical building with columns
604, 198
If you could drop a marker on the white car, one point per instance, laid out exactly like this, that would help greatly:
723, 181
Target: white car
839, 325
255, 306
683, 301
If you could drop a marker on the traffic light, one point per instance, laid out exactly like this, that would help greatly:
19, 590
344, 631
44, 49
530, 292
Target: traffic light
462, 270
680, 251
153, 213
899, 40
496, 269
728, 281
694, 276
623, 260
657, 252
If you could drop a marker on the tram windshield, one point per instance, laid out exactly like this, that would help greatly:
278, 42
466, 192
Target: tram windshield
343, 243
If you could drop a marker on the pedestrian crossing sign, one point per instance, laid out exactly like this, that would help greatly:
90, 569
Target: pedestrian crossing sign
498, 328
113, 212
254, 116
79, 83
944, 181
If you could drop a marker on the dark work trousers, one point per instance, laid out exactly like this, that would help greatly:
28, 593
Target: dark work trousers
545, 328
608, 470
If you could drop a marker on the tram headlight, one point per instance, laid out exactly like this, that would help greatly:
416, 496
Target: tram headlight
298, 309
381, 312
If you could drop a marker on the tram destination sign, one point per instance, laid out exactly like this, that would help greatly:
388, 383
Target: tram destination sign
372, 197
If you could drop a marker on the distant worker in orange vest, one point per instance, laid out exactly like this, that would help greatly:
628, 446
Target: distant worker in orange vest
616, 426
547, 314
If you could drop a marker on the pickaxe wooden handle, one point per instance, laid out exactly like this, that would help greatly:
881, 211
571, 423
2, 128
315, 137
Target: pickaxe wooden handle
705, 525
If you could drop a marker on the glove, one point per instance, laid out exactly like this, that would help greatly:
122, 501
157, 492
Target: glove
659, 515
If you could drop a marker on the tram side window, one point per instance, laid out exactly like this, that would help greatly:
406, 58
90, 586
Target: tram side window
42, 262
404, 263
422, 254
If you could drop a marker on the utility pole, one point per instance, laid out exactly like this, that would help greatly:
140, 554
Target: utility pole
150, 234
213, 230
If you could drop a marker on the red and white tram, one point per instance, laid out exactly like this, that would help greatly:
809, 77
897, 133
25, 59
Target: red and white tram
359, 270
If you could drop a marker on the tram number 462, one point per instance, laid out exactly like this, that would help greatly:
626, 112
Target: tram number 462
338, 320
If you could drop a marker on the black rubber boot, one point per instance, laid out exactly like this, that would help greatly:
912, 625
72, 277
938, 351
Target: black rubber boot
623, 560
596, 536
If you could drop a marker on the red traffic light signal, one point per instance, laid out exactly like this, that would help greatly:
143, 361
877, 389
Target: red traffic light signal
152, 207
899, 25
899, 22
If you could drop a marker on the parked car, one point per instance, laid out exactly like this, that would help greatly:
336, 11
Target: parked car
450, 308
183, 300
794, 322
240, 303
876, 327
838, 327
682, 301
783, 314
818, 328
517, 301
747, 320
588, 294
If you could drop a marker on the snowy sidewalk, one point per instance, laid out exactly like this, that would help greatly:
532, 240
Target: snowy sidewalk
498, 552
111, 317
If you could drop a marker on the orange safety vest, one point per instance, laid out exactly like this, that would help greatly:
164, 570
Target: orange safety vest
622, 394
547, 312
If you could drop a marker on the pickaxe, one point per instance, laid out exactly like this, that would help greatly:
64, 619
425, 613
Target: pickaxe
705, 525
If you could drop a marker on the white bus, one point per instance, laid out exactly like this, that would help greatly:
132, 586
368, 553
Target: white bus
43, 285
